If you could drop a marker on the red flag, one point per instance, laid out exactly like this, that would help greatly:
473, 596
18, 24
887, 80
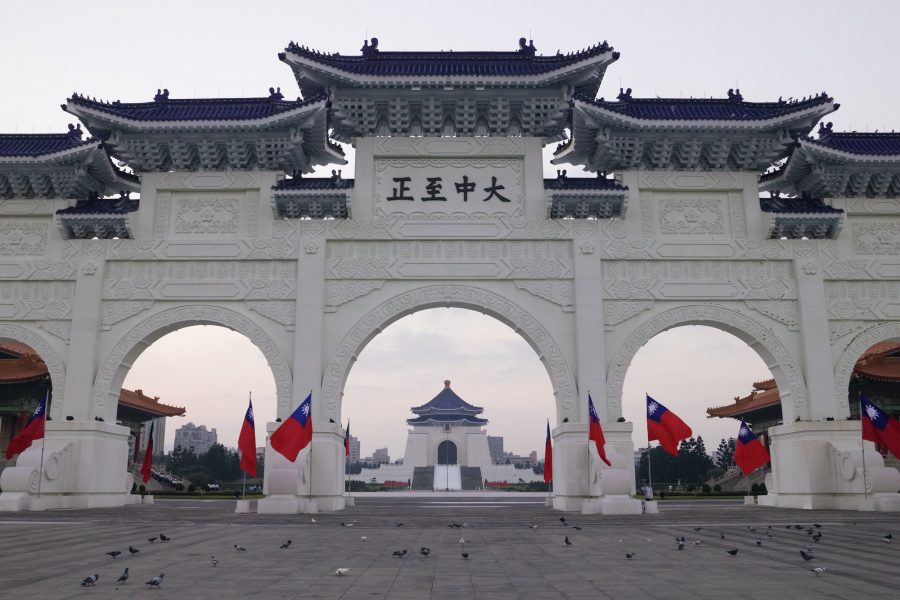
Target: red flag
148, 455
595, 432
665, 426
295, 433
749, 452
347, 439
878, 426
548, 457
247, 442
33, 430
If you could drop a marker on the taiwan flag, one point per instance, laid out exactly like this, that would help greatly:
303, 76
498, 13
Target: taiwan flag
148, 456
33, 430
665, 426
295, 433
247, 442
749, 452
877, 426
548, 457
347, 439
595, 432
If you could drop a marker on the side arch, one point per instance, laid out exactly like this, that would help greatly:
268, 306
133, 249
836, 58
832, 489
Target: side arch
846, 363
115, 367
54, 363
788, 377
457, 296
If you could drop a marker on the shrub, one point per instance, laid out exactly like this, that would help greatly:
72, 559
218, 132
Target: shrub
179, 487
690, 488
142, 489
762, 489
717, 488
192, 488
706, 489
754, 489
134, 488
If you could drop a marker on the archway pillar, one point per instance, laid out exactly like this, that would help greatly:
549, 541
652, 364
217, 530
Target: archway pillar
818, 465
570, 466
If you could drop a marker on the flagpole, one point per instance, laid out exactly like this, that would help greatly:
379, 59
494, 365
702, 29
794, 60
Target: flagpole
589, 450
649, 470
862, 444
43, 444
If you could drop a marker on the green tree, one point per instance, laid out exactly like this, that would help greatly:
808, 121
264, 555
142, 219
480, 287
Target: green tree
726, 453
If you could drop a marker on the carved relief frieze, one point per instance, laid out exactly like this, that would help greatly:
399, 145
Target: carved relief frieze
619, 311
449, 259
207, 215
181, 180
469, 227
338, 293
872, 206
561, 293
738, 216
36, 300
688, 180
60, 329
462, 146
282, 312
842, 329
784, 311
863, 300
691, 216
683, 279
114, 312
879, 237
23, 238
45, 270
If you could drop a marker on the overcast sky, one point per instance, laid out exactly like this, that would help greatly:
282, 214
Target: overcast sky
115, 50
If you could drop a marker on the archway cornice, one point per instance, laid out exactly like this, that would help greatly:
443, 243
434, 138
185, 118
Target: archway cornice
112, 372
787, 374
459, 296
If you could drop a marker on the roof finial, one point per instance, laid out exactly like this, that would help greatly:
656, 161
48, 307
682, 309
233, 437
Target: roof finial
275, 94
161, 95
528, 48
370, 49
825, 130
446, 383
735, 95
75, 131
624, 95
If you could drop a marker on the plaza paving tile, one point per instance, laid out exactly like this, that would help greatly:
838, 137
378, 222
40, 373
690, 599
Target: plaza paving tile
47, 554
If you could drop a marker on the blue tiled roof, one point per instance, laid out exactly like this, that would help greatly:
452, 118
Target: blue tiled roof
444, 64
12, 145
880, 144
201, 109
314, 183
101, 206
584, 183
447, 402
708, 109
801, 204
441, 419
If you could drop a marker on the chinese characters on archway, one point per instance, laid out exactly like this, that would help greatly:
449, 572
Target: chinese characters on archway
436, 189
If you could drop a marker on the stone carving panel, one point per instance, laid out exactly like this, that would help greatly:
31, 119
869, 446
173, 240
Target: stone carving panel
561, 293
207, 215
847, 361
23, 238
338, 293
783, 311
54, 363
691, 216
450, 295
619, 311
461, 146
841, 329
114, 312
283, 313
449, 259
863, 300
60, 329
181, 180
786, 371
881, 237
112, 371
36, 300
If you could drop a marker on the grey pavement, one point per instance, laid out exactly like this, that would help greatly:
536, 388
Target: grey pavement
47, 554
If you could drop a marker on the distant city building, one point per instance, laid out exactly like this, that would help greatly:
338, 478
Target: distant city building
354, 449
517, 459
495, 447
380, 456
195, 438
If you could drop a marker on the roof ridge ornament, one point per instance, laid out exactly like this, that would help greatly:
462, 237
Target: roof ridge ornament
735, 95
161, 95
369, 50
75, 131
275, 94
527, 49
624, 96
825, 130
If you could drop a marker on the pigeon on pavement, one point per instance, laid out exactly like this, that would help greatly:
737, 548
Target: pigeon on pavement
239, 548
733, 552
164, 538
806, 557
133, 550
887, 538
151, 540
424, 551
342, 571
285, 545
90, 579
154, 583
123, 577
401, 553
214, 561
630, 555
568, 543
114, 553
818, 570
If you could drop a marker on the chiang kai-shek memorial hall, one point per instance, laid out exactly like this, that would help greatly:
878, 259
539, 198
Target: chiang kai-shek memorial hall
751, 217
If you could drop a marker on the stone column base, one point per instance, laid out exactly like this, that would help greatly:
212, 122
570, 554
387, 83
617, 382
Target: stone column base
242, 507
611, 505
349, 501
749, 500
285, 504
330, 503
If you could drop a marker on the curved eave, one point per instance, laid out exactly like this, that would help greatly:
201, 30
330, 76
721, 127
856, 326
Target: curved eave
819, 150
68, 154
93, 116
428, 410
306, 69
469, 422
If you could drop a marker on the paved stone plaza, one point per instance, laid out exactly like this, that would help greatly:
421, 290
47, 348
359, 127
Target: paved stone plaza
49, 553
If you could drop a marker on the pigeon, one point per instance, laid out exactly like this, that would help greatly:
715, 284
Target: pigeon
680, 545
534, 526
285, 545
562, 520
887, 538
114, 553
818, 570
156, 581
239, 548
462, 540
759, 542
751, 528
769, 534
214, 561
806, 557
817, 525
341, 571
312, 520
630, 555
401, 553
364, 538
817, 537
457, 525
133, 550
696, 542
464, 554
424, 551
732, 552
697, 528
399, 524
164, 538
151, 540
346, 524
90, 579
576, 527
568, 543
721, 536
123, 577
798, 526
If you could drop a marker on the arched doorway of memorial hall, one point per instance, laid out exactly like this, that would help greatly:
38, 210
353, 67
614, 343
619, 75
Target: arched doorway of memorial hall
25, 381
207, 373
447, 399
690, 370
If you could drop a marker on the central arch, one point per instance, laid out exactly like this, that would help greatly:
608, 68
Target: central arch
457, 296
115, 367
788, 376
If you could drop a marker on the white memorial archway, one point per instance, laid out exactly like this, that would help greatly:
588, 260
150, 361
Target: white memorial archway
448, 206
